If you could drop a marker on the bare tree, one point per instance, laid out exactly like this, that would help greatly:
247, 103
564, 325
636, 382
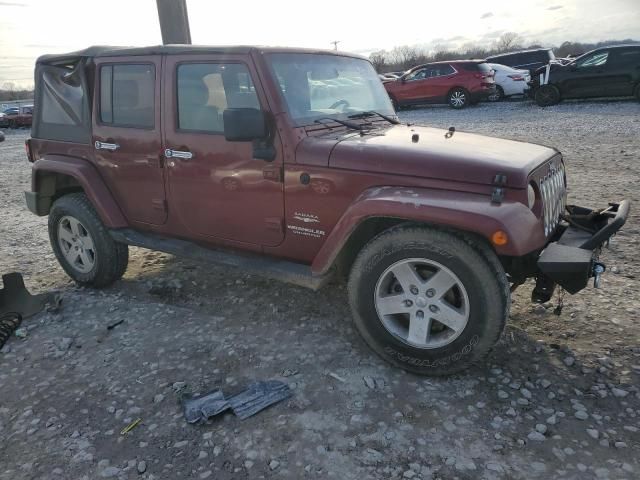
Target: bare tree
10, 91
379, 60
508, 41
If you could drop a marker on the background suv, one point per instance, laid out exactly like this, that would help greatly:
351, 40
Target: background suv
526, 59
456, 83
604, 72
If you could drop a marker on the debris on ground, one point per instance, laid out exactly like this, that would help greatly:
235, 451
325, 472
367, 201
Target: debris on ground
113, 325
9, 323
15, 298
131, 426
257, 397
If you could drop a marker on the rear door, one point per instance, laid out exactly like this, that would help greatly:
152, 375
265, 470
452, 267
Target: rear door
439, 81
622, 71
219, 189
126, 135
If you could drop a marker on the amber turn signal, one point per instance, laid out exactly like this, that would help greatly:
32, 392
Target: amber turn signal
499, 238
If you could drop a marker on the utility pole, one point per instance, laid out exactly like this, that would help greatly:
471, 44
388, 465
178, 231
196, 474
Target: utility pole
335, 44
174, 21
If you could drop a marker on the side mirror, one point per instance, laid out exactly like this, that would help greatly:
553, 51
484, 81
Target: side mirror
244, 124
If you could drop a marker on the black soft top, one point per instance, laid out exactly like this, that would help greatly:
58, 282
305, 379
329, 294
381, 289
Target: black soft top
111, 51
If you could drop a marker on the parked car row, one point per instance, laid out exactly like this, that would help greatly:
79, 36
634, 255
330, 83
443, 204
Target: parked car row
16, 117
604, 72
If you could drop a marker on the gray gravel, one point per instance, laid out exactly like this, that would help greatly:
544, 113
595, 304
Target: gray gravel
70, 386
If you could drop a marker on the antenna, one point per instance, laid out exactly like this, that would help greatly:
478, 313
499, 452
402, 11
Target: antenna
335, 44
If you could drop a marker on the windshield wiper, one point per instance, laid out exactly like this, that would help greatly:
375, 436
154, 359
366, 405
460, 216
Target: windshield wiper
346, 123
371, 113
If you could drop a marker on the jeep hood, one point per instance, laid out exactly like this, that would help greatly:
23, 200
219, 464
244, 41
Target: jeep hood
461, 157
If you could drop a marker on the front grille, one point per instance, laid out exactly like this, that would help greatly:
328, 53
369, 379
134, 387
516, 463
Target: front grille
553, 193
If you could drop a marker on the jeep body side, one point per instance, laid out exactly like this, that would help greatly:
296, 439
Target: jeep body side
293, 162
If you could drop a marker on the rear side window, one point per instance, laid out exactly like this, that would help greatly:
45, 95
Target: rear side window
127, 95
205, 90
625, 58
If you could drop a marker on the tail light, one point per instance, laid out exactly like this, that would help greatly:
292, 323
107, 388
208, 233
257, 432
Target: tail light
27, 147
517, 78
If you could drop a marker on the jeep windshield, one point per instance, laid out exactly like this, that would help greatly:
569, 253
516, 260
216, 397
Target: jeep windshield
324, 86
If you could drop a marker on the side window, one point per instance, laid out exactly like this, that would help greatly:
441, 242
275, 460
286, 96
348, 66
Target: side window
417, 75
625, 58
445, 69
127, 93
205, 90
594, 60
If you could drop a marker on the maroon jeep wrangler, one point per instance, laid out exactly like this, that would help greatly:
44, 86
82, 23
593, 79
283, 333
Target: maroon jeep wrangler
293, 163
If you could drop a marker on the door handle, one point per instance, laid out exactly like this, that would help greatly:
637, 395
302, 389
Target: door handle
169, 153
106, 146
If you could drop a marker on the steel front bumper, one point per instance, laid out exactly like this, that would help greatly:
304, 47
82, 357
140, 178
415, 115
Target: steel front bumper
572, 257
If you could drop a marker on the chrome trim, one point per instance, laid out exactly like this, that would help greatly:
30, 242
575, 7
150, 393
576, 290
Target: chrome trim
553, 193
105, 146
178, 154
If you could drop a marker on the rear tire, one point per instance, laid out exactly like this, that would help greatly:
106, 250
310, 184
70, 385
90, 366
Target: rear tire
458, 98
547, 95
455, 325
497, 95
82, 244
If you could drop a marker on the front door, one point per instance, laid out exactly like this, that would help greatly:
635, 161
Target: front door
414, 87
126, 135
217, 188
589, 77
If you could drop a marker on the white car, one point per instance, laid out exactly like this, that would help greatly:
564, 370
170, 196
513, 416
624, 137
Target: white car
509, 81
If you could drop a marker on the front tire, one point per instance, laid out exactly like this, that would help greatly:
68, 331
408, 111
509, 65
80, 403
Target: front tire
458, 98
428, 301
82, 244
547, 95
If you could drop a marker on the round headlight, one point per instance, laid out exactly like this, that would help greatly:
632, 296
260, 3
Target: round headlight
531, 196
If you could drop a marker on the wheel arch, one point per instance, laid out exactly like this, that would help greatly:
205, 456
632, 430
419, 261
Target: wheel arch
472, 215
57, 175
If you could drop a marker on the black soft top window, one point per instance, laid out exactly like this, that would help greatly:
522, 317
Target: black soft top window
61, 109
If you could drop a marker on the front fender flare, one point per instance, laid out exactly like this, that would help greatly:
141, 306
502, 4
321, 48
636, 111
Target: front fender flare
87, 177
468, 212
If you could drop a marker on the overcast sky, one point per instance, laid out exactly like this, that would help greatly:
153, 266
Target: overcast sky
29, 28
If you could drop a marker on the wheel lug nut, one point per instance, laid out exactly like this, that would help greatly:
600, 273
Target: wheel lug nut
420, 314
431, 292
434, 308
413, 289
408, 303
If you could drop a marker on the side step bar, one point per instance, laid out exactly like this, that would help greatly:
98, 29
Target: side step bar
277, 269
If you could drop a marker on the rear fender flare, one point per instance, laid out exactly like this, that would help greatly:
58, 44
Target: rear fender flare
468, 212
87, 177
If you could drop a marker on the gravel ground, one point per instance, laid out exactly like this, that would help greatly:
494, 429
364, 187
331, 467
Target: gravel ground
558, 397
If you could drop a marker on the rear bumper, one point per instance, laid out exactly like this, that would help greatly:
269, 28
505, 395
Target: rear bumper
482, 93
572, 258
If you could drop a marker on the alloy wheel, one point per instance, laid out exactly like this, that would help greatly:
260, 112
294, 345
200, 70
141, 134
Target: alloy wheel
422, 303
76, 244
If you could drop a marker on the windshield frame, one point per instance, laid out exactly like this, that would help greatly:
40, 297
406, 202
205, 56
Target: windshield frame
382, 102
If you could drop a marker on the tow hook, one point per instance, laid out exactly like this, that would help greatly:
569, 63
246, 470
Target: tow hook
598, 270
